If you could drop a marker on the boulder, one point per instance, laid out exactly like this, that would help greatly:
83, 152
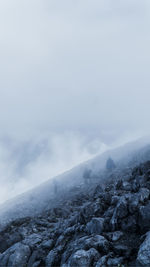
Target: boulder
129, 224
122, 208
144, 218
82, 258
144, 194
133, 203
52, 258
15, 256
114, 236
115, 261
126, 186
144, 252
95, 226
102, 262
121, 211
121, 250
98, 242
47, 244
32, 240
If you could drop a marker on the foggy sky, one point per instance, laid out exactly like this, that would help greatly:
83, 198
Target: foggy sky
77, 68
74, 65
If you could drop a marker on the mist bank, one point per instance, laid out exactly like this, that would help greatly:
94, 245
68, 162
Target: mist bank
27, 162
43, 197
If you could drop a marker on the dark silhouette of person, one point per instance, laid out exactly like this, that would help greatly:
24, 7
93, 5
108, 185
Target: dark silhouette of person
110, 165
55, 184
87, 176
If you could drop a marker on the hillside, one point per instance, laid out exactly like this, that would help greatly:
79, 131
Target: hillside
42, 197
106, 223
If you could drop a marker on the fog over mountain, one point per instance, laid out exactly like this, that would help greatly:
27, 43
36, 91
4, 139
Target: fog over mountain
74, 83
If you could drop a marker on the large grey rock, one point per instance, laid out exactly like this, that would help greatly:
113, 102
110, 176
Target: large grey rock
122, 250
52, 258
15, 256
133, 203
102, 261
129, 224
98, 242
144, 194
122, 208
114, 236
82, 258
95, 226
47, 244
144, 252
114, 261
126, 186
144, 218
121, 211
32, 240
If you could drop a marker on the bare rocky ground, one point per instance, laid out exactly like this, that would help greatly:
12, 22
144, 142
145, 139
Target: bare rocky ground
94, 225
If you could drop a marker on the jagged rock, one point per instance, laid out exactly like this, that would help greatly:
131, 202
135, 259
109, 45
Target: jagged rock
118, 184
15, 256
144, 218
109, 213
120, 212
121, 250
36, 264
133, 203
114, 261
47, 244
3, 244
95, 226
126, 186
129, 224
135, 186
122, 208
114, 236
98, 190
52, 258
102, 261
114, 200
82, 258
32, 240
98, 242
87, 211
33, 258
144, 252
144, 194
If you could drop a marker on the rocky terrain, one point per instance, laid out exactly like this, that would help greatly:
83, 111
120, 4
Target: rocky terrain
100, 224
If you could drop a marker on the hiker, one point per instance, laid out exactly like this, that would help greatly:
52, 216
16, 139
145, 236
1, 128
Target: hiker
87, 176
55, 185
110, 165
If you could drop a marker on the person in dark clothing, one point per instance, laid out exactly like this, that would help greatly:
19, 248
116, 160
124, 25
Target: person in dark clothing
110, 165
55, 185
87, 176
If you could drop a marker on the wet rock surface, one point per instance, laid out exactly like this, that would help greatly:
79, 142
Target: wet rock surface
95, 226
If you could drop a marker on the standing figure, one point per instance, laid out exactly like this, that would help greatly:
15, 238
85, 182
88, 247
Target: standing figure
110, 165
55, 185
87, 176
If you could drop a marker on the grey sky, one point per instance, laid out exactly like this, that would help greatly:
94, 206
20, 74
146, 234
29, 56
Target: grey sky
72, 68
74, 65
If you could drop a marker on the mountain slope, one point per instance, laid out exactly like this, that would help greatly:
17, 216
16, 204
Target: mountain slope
42, 197
90, 226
